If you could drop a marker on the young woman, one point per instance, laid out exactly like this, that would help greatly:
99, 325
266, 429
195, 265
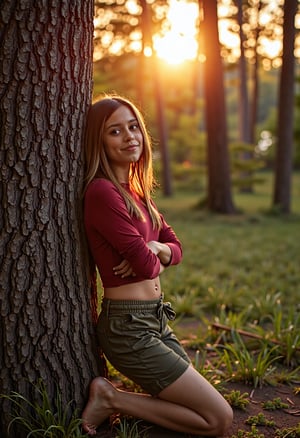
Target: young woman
132, 244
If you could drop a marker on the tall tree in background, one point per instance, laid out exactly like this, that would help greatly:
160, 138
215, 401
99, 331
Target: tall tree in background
46, 301
147, 34
283, 159
243, 87
219, 186
244, 117
255, 75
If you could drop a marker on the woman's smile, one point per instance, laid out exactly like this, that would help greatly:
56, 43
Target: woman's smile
123, 139
132, 147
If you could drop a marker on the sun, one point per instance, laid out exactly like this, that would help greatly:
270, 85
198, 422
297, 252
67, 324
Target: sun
178, 43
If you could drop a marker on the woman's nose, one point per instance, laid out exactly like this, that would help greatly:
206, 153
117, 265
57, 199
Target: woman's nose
129, 134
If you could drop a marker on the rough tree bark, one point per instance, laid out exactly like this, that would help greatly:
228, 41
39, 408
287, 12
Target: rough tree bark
219, 185
47, 304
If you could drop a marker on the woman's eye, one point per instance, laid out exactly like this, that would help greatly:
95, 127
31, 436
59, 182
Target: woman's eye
115, 132
134, 127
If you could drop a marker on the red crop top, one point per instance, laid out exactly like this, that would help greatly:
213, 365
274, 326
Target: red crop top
114, 235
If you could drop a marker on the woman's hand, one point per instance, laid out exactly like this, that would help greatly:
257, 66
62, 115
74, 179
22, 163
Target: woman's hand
124, 269
162, 251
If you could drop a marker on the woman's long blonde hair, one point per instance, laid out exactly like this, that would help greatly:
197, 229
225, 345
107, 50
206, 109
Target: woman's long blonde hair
97, 164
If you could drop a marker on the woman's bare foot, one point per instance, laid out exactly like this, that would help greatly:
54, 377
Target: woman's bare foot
99, 405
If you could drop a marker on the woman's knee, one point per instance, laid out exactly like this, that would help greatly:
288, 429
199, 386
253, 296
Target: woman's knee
222, 420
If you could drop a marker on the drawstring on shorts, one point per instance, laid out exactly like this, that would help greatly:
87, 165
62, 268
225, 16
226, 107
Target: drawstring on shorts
165, 308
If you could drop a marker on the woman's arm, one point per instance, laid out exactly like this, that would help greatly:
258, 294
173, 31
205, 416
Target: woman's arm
162, 250
110, 226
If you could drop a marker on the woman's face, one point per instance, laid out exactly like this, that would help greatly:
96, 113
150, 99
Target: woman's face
123, 140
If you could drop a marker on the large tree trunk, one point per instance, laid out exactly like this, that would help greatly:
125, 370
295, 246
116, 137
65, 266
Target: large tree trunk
283, 161
47, 304
219, 186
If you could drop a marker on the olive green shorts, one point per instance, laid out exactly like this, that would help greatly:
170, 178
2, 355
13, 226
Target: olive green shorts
137, 340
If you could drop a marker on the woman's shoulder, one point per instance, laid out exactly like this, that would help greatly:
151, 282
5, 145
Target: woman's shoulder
101, 188
99, 185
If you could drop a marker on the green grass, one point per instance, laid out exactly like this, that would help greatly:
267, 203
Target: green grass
237, 261
42, 418
241, 271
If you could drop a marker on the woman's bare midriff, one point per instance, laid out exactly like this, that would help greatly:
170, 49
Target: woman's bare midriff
142, 290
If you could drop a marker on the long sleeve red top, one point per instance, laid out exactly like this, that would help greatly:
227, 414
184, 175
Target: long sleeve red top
113, 235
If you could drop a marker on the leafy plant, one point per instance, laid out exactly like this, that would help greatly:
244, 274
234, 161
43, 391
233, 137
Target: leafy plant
290, 432
260, 420
42, 419
276, 403
254, 433
237, 400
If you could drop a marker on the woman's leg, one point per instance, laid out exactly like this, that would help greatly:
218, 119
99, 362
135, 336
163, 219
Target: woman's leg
188, 405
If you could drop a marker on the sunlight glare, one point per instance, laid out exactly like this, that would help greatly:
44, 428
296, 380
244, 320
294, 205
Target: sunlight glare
133, 7
227, 37
270, 48
178, 39
148, 51
179, 42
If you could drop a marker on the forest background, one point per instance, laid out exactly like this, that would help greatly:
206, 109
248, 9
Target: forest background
170, 87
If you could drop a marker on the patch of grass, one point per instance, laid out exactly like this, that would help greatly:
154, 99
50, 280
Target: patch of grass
286, 376
247, 366
128, 427
287, 332
241, 271
41, 418
187, 302
237, 259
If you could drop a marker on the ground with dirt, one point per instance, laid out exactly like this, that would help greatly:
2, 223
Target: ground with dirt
282, 418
